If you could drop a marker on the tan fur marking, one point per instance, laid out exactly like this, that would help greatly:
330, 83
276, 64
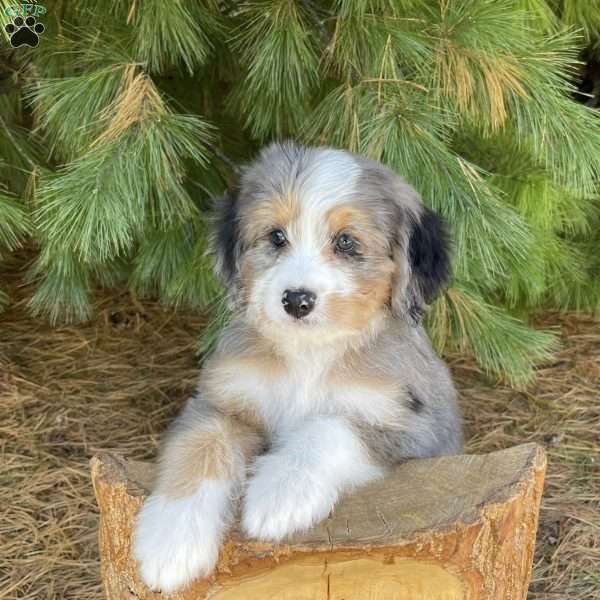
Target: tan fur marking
286, 210
347, 376
345, 217
262, 361
371, 295
280, 212
352, 218
204, 452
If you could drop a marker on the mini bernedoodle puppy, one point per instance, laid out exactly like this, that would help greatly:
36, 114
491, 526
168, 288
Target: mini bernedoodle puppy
324, 376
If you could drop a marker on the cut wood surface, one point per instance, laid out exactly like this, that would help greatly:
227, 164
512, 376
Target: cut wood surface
449, 528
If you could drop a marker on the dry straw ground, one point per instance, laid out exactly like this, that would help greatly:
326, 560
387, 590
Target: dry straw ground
115, 382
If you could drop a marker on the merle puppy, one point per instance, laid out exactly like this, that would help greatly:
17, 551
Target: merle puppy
323, 377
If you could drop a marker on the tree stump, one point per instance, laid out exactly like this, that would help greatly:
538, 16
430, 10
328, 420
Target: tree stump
450, 528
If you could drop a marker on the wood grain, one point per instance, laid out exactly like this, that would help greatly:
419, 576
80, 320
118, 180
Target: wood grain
450, 528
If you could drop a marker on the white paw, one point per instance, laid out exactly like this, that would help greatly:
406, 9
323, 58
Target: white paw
178, 540
280, 501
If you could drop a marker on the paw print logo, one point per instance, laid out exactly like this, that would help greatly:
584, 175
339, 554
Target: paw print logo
24, 33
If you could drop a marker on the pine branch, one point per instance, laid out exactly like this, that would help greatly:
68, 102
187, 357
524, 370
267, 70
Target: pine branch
462, 320
14, 223
174, 265
538, 15
174, 33
69, 108
63, 286
369, 38
277, 47
581, 15
98, 205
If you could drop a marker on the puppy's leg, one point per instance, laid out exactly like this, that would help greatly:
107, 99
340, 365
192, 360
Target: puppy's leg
298, 482
201, 468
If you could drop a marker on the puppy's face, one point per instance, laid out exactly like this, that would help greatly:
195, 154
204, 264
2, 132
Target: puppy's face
319, 243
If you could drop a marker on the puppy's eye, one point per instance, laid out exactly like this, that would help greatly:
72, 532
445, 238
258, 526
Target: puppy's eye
278, 238
345, 243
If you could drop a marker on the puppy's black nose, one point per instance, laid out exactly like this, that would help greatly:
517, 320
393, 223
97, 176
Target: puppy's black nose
298, 303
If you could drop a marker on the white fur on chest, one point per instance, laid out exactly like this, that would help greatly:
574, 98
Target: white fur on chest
304, 390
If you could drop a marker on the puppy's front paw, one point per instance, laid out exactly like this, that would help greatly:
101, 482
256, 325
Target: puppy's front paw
177, 540
280, 501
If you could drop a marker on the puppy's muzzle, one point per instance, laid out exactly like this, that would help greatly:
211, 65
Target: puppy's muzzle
298, 303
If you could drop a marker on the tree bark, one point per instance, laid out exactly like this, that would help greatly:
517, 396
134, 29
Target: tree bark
450, 528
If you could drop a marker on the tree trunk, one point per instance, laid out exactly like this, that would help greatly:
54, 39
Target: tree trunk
450, 528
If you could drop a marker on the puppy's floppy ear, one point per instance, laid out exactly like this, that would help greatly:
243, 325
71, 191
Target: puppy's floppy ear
423, 263
225, 242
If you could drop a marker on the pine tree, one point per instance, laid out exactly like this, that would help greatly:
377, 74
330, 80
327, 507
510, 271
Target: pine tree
118, 129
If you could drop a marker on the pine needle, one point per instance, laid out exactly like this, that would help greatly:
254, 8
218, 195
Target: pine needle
138, 102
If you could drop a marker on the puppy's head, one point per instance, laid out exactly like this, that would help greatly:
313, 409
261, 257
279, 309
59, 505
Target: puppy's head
320, 242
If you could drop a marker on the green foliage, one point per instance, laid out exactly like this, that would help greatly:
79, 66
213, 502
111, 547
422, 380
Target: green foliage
167, 34
14, 225
13, 222
69, 108
462, 320
174, 264
118, 129
581, 15
277, 52
63, 286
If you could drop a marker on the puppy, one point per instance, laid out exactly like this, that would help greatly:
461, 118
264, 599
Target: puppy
323, 377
